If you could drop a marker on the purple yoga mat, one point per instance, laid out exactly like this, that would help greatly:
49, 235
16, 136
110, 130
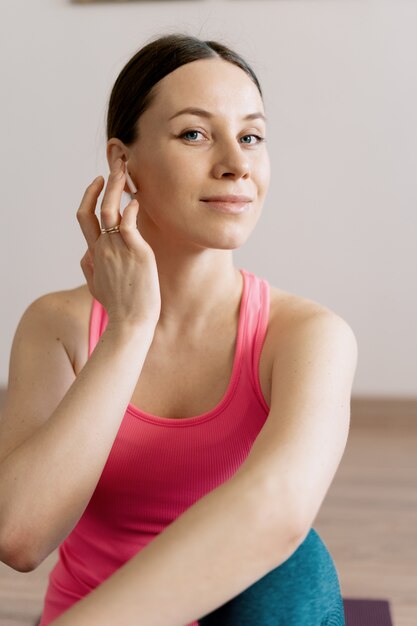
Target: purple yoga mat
361, 612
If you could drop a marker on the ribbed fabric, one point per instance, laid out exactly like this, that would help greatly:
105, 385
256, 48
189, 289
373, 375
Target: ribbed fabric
158, 467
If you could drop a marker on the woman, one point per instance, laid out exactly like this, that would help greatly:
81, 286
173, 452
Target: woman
135, 400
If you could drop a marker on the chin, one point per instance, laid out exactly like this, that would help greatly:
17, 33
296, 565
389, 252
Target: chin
229, 241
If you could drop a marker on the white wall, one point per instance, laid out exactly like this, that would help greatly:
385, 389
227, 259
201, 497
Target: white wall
339, 225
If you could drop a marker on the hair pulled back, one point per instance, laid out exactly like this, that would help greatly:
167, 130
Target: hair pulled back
132, 92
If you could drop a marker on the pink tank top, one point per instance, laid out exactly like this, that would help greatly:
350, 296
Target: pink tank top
158, 467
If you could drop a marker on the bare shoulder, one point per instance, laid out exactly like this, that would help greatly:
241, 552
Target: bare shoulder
292, 315
67, 313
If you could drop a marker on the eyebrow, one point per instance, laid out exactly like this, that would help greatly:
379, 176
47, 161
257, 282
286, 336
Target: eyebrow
203, 113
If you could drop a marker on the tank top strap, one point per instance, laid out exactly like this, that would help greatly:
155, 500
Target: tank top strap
97, 325
256, 322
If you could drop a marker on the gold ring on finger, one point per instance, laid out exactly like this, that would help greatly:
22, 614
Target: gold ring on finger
113, 229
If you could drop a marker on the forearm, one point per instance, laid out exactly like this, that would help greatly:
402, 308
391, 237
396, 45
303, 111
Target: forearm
216, 549
54, 473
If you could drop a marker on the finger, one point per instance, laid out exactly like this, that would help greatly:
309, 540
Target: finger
110, 206
86, 216
128, 228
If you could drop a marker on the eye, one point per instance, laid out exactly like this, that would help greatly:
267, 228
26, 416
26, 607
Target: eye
190, 132
258, 137
198, 132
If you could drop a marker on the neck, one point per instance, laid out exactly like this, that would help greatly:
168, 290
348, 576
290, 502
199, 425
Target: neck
193, 296
199, 285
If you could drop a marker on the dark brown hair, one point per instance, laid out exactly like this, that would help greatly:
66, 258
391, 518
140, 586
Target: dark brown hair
132, 92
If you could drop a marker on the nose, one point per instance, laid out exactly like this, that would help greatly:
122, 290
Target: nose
231, 161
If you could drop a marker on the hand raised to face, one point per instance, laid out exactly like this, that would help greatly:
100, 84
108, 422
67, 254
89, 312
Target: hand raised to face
119, 267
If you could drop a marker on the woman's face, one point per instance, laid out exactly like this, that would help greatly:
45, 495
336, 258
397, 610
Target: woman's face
179, 159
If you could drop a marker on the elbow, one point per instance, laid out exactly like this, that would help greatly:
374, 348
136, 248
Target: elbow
18, 561
283, 520
15, 554
291, 526
280, 536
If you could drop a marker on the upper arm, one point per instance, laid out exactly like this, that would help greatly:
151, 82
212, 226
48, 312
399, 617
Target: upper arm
303, 439
40, 371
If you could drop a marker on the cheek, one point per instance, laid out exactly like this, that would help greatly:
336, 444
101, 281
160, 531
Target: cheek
157, 176
167, 181
177, 176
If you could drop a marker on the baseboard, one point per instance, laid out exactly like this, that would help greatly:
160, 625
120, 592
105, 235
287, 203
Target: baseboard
383, 411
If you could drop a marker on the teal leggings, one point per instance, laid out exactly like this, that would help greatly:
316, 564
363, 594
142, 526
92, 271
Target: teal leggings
302, 591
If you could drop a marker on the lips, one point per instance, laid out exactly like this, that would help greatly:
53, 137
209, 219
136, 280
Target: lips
228, 199
228, 206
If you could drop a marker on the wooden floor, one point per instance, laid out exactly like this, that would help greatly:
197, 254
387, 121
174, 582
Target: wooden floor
368, 520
